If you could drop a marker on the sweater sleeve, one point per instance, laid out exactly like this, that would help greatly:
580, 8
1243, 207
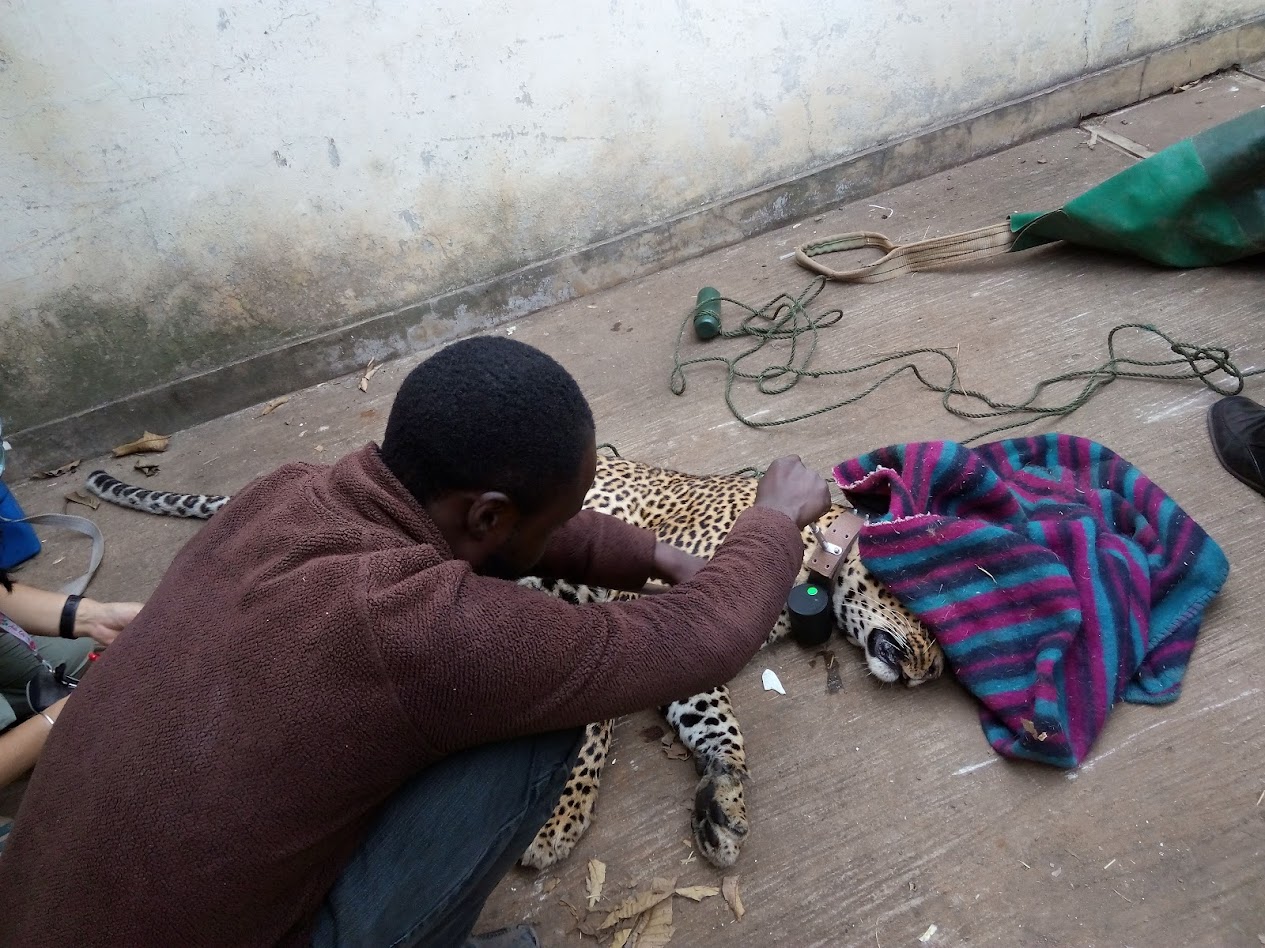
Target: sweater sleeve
599, 550
476, 660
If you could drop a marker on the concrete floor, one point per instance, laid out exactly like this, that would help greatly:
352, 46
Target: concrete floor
878, 812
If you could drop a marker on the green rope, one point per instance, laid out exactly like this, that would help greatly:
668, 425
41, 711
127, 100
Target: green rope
787, 317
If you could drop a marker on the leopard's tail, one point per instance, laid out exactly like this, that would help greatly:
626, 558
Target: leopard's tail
161, 502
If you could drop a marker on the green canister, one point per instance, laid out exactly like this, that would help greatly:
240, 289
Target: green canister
707, 313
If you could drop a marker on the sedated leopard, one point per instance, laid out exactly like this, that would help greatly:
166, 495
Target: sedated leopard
694, 512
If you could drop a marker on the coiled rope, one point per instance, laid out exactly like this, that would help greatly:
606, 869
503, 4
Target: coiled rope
788, 318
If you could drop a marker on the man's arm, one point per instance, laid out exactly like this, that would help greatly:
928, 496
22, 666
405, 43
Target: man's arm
600, 550
497, 660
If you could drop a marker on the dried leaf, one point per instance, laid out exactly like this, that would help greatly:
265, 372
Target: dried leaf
652, 734
729, 889
576, 914
596, 879
56, 472
641, 922
655, 928
149, 470
677, 752
591, 925
370, 369
698, 892
1032, 729
273, 405
147, 443
634, 905
621, 938
550, 885
79, 497
668, 739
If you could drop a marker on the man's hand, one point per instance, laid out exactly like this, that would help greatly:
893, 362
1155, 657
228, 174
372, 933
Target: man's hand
673, 565
793, 489
103, 621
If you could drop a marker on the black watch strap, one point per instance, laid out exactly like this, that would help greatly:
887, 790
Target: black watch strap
67, 625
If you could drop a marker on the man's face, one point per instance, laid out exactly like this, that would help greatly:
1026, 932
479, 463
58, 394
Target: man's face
525, 546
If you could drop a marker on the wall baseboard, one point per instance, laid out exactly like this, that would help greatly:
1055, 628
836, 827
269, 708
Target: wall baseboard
410, 329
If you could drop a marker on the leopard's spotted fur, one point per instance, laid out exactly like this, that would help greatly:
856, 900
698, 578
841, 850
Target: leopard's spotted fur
695, 513
161, 502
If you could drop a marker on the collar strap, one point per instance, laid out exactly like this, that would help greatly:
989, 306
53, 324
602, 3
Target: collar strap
834, 543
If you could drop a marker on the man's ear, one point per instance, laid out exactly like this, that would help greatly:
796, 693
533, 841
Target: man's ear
491, 518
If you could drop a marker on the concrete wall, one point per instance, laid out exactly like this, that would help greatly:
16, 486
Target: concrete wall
182, 186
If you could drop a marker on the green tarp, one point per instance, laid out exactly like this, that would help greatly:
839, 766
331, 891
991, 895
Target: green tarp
1197, 203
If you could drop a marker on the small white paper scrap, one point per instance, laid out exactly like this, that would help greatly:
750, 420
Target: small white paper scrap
771, 681
926, 936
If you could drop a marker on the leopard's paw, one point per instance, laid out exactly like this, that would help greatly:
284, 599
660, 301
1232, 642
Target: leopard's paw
720, 817
555, 840
576, 805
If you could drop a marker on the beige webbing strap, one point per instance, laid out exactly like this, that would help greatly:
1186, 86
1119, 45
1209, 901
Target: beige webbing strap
905, 258
80, 525
833, 545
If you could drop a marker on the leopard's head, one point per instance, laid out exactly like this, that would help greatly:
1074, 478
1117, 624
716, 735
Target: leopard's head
897, 646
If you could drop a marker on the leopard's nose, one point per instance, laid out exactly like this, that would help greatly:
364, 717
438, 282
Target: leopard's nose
883, 646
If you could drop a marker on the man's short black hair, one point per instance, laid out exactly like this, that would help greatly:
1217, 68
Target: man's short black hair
489, 413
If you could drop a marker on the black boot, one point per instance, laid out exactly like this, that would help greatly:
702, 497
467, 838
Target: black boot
1237, 427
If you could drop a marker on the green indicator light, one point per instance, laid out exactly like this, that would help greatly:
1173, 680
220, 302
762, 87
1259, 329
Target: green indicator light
812, 590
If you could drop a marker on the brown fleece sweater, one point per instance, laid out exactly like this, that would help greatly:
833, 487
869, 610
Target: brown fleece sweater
314, 646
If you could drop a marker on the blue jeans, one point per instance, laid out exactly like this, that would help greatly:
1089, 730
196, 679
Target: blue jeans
437, 849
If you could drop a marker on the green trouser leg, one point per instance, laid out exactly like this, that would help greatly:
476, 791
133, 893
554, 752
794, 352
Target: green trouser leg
18, 665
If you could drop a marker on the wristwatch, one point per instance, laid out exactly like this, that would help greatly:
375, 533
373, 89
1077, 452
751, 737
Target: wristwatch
67, 625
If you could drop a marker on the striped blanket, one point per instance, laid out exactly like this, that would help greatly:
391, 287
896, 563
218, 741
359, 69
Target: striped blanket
1057, 578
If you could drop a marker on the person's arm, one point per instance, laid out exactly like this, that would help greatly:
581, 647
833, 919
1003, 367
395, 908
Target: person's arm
39, 613
476, 659
497, 660
20, 746
600, 550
